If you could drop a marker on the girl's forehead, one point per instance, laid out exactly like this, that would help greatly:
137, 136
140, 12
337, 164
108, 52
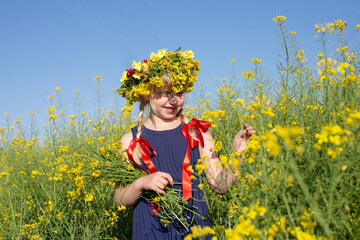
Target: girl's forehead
166, 88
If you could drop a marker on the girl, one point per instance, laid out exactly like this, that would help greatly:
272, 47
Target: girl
161, 82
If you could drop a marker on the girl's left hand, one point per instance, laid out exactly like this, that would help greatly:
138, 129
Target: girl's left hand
242, 137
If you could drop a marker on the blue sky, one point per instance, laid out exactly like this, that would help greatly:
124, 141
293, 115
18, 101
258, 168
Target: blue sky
49, 44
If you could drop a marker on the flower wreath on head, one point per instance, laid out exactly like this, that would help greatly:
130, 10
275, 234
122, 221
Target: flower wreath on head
179, 66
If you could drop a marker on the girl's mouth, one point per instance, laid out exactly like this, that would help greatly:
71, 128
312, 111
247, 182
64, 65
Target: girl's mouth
170, 109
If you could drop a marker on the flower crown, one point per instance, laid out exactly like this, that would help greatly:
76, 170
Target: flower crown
178, 66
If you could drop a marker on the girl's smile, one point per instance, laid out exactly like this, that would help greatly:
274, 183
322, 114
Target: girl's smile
166, 104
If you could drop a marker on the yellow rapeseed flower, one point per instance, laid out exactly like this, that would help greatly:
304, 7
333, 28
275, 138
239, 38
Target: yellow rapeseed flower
279, 19
198, 232
97, 78
255, 60
224, 160
248, 75
218, 146
271, 144
57, 89
357, 27
89, 197
339, 25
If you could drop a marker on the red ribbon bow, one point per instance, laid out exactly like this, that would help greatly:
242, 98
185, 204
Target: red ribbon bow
199, 128
145, 153
145, 156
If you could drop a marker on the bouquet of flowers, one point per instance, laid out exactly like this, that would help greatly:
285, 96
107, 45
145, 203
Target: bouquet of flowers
114, 166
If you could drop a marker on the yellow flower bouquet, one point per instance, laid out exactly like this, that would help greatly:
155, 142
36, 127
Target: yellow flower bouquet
114, 167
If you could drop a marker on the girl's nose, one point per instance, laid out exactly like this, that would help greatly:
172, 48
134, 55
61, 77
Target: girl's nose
172, 98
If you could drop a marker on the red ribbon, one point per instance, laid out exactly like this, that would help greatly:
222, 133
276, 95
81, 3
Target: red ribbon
155, 208
145, 156
199, 128
145, 153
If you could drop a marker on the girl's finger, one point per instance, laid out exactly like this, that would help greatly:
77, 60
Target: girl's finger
169, 179
159, 190
164, 182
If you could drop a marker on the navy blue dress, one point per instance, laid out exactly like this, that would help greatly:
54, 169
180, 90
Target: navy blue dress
170, 146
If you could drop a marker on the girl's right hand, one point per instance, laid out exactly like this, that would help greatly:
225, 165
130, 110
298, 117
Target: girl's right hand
156, 182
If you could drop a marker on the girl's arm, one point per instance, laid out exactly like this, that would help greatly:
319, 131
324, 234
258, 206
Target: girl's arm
217, 176
129, 195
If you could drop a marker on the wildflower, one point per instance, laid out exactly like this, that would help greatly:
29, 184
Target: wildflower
255, 60
282, 224
300, 55
97, 78
72, 194
272, 147
89, 141
198, 232
89, 197
279, 19
342, 67
243, 228
121, 208
190, 169
344, 167
201, 167
273, 230
339, 25
130, 167
36, 237
240, 101
34, 173
357, 27
248, 75
287, 133
268, 112
79, 181
322, 28
251, 214
100, 139
97, 173
4, 174
218, 146
52, 117
63, 149
224, 160
354, 117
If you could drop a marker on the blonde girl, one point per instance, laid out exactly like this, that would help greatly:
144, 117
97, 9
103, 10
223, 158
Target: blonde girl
161, 82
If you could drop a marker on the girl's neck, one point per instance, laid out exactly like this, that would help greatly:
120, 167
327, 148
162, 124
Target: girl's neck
158, 124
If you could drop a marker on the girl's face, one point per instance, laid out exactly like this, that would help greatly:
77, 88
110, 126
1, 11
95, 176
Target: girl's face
165, 103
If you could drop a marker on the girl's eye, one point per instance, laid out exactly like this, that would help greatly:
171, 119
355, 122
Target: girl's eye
165, 94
